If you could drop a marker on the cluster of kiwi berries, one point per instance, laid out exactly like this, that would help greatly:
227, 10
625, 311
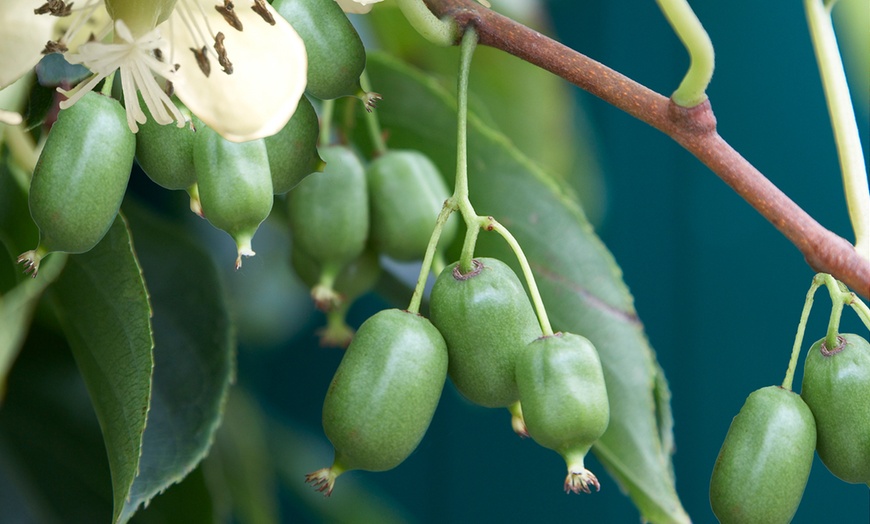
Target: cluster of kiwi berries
82, 173
765, 460
484, 334
483, 331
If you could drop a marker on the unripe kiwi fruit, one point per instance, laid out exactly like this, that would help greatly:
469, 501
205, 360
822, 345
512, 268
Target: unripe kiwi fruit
564, 401
383, 395
836, 386
765, 460
328, 212
234, 184
336, 56
406, 193
293, 150
165, 154
486, 318
80, 178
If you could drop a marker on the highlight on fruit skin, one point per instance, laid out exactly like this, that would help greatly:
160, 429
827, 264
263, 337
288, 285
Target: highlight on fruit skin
383, 395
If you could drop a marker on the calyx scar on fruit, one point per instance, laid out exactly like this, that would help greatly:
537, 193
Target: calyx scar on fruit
81, 177
383, 395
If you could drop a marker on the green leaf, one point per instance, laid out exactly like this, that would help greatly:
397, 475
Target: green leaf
16, 311
194, 355
53, 464
579, 280
103, 307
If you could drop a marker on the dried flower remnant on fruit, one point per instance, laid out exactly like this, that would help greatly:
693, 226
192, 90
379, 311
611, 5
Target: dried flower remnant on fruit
580, 479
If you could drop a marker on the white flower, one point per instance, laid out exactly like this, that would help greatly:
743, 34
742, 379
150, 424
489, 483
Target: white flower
151, 43
357, 7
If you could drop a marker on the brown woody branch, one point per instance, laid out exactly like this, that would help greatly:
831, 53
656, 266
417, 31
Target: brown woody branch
694, 129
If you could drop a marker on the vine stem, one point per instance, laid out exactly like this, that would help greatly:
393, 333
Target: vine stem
693, 89
693, 128
494, 225
799, 337
842, 114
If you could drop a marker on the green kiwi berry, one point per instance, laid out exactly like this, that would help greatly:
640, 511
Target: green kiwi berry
836, 387
564, 401
80, 178
165, 154
406, 193
764, 463
328, 212
383, 395
486, 318
234, 185
336, 56
293, 150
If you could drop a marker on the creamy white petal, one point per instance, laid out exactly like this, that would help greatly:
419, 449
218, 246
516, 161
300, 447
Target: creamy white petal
269, 72
24, 37
357, 7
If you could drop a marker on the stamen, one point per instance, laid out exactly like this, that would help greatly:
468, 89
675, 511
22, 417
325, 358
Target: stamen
54, 8
193, 27
229, 15
202, 60
82, 17
54, 47
222, 54
135, 60
259, 7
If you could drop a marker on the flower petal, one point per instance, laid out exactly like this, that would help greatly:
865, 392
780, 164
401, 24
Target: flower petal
269, 73
24, 37
357, 7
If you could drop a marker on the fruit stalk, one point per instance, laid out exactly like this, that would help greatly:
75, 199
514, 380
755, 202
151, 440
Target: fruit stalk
692, 90
417, 297
460, 192
842, 114
540, 310
372, 120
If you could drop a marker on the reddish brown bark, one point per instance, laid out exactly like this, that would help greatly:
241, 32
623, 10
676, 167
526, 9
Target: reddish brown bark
694, 129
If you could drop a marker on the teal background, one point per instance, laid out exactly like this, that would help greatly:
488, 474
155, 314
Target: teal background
719, 289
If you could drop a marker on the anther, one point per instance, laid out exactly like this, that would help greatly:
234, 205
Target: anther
54, 8
54, 47
222, 53
259, 7
229, 15
202, 60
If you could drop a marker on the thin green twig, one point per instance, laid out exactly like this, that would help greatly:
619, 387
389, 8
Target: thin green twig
693, 89
439, 32
849, 149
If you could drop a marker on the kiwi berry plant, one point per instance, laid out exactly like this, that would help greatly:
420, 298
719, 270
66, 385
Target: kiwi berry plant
429, 296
